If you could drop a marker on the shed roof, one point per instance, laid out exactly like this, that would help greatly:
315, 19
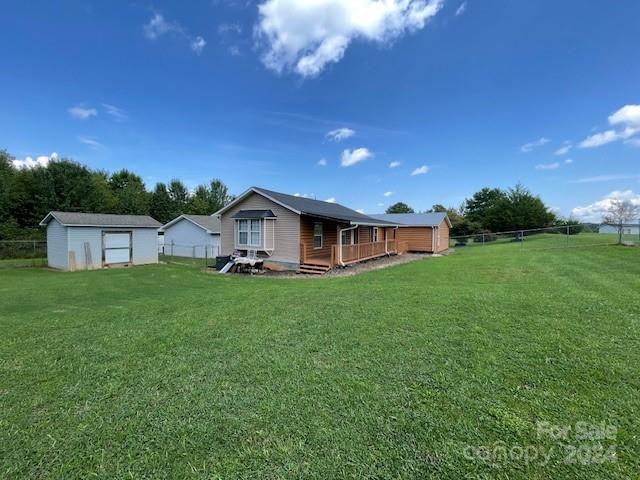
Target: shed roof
309, 206
78, 219
255, 214
414, 219
207, 222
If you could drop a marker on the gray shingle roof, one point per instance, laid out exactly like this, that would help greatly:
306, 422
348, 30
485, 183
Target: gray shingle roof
318, 208
77, 219
206, 221
255, 214
413, 219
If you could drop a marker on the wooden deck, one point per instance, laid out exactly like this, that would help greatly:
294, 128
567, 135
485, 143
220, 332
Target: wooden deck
358, 252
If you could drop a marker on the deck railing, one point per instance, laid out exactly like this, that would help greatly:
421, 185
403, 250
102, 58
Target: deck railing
353, 253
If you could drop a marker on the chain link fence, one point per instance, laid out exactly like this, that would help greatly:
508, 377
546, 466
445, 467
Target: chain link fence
202, 256
23, 253
581, 235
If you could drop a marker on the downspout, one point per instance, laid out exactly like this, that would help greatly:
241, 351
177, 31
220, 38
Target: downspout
340, 242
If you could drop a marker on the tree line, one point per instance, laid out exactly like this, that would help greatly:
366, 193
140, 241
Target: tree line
28, 194
495, 210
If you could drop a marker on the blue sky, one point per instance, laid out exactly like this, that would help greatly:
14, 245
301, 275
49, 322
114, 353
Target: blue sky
475, 93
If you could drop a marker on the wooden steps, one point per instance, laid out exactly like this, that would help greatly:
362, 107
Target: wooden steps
313, 269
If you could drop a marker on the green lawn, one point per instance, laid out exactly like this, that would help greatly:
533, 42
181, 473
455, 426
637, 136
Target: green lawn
168, 372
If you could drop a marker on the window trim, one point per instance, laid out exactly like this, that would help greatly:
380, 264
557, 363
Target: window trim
315, 235
374, 234
249, 222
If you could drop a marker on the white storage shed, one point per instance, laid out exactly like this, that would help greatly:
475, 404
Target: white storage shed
194, 236
86, 241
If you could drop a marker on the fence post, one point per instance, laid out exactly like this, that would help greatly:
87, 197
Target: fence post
172, 247
205, 257
483, 239
522, 238
568, 235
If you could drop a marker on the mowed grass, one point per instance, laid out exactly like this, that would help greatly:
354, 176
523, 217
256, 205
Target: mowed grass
167, 372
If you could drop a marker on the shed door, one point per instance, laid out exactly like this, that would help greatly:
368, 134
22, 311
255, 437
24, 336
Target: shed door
117, 247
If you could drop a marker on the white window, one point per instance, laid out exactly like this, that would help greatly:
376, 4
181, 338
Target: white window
250, 233
317, 235
348, 237
374, 234
243, 232
256, 237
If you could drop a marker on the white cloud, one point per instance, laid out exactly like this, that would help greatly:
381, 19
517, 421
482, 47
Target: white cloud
158, 26
322, 162
91, 141
461, 9
602, 138
595, 211
395, 164
547, 166
627, 118
29, 162
330, 200
305, 36
568, 161
564, 149
421, 170
340, 134
381, 204
351, 157
225, 28
528, 147
633, 141
234, 51
360, 210
607, 178
304, 195
81, 112
388, 194
117, 113
198, 44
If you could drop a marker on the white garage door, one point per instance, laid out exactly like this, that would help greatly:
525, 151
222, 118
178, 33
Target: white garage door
117, 247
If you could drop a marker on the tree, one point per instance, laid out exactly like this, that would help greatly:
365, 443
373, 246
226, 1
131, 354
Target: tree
129, 190
219, 195
521, 210
160, 206
482, 208
200, 202
619, 213
438, 208
516, 209
400, 207
7, 175
179, 195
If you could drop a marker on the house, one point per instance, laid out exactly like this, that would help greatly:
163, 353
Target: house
195, 236
79, 241
296, 233
627, 229
424, 232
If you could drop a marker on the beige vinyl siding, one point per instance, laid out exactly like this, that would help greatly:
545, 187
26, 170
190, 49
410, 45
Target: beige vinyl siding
286, 228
